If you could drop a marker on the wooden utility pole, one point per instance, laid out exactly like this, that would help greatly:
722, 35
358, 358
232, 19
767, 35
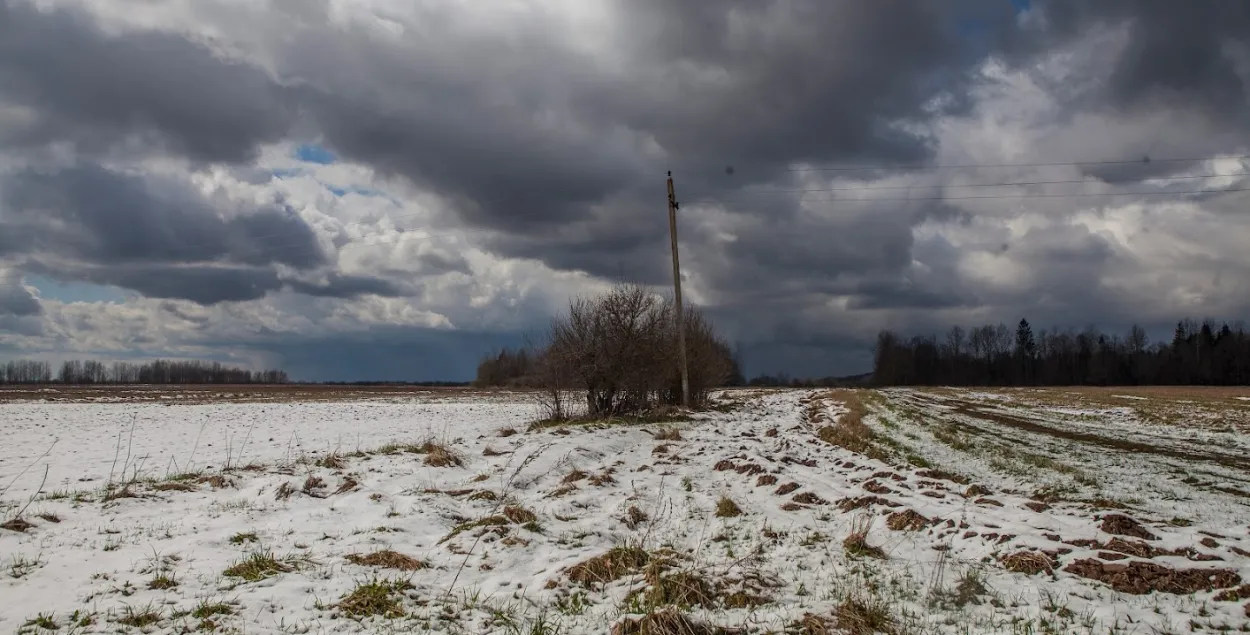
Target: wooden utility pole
678, 313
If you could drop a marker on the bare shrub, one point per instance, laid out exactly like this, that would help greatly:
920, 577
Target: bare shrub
619, 350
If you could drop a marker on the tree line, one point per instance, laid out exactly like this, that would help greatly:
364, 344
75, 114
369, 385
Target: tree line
90, 372
1203, 353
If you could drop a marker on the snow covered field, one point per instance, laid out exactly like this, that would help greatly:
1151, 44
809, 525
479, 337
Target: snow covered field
903, 511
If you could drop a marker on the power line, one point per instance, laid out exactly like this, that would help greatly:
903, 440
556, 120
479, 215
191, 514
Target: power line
979, 166
1007, 184
1027, 196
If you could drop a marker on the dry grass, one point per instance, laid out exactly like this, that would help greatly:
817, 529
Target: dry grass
377, 598
858, 616
519, 515
856, 545
439, 455
313, 486
684, 590
284, 491
387, 560
613, 565
849, 431
634, 517
665, 622
726, 508
174, 486
487, 522
668, 434
216, 481
1028, 562
17, 524
332, 462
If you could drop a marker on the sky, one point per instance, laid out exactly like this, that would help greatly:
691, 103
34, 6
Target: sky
386, 189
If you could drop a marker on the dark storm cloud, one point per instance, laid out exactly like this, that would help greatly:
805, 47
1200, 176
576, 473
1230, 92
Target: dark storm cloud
15, 300
340, 286
1177, 52
105, 217
93, 89
556, 149
524, 134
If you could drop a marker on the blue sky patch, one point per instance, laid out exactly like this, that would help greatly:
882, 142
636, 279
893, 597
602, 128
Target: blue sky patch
50, 289
313, 153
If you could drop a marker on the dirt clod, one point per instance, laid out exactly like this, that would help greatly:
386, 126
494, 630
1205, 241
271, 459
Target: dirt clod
1122, 525
907, 520
808, 498
767, 479
1140, 578
876, 488
786, 489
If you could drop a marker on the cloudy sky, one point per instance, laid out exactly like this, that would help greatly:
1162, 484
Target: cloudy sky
387, 189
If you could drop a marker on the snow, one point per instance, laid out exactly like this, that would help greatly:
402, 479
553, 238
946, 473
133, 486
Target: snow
101, 556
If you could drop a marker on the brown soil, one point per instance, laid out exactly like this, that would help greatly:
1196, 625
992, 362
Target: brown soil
18, 524
1232, 595
767, 479
908, 520
1140, 578
848, 504
1122, 525
388, 560
876, 488
787, 488
808, 498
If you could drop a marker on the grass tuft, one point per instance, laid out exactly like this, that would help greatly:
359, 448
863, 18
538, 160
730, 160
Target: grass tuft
208, 609
257, 566
43, 621
856, 616
332, 462
726, 508
376, 598
438, 455
163, 582
243, 538
519, 515
856, 545
613, 565
139, 618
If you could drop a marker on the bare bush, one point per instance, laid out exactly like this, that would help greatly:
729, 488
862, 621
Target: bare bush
619, 351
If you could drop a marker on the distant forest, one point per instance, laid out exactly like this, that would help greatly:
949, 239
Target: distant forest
156, 372
1198, 354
